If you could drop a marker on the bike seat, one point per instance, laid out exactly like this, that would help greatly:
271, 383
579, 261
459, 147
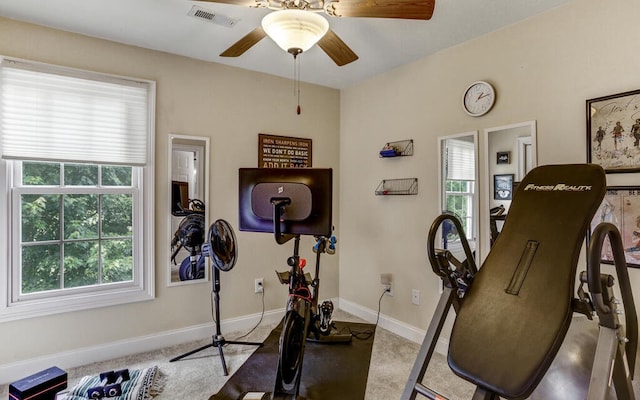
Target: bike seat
516, 313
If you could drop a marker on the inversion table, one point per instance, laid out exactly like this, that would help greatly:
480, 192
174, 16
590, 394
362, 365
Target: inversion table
513, 313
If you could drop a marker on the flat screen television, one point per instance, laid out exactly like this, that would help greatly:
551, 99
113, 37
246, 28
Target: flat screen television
307, 193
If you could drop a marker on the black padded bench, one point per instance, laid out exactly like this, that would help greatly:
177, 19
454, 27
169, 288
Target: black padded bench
514, 312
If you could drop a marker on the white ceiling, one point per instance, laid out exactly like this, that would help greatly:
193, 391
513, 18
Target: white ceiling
381, 44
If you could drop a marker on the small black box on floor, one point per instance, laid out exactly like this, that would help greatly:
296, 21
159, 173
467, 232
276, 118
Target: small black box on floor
40, 386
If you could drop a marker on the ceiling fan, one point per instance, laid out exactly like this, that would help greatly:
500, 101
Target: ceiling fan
301, 10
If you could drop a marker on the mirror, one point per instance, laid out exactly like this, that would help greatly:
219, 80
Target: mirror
458, 177
188, 199
509, 153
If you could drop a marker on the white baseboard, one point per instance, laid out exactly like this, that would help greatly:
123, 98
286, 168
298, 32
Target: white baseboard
400, 328
74, 358
69, 359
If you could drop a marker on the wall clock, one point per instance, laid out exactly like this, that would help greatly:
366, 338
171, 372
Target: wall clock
478, 98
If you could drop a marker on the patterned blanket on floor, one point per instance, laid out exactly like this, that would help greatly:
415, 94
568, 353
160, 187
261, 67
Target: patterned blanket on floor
143, 384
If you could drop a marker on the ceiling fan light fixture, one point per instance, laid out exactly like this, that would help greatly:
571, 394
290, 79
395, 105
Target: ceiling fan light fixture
295, 31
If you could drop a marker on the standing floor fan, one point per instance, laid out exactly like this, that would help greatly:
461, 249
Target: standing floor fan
221, 247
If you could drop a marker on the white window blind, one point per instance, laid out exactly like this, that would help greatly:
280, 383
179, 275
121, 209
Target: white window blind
61, 114
461, 164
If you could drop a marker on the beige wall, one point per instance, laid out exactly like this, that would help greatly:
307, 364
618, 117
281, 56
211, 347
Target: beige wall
229, 105
543, 69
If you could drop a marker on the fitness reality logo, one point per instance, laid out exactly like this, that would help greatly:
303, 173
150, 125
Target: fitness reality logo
280, 189
558, 187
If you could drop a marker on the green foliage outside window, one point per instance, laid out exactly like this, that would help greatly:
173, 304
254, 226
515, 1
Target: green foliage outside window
40, 174
116, 176
458, 201
75, 239
40, 217
80, 175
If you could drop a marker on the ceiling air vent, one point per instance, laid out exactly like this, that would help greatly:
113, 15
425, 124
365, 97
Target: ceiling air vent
211, 16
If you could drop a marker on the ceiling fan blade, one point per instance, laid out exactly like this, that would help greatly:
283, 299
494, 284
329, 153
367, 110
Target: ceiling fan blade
247, 3
244, 44
335, 48
405, 9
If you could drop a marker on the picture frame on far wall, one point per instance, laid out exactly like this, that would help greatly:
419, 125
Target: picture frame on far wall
503, 157
621, 207
613, 132
503, 186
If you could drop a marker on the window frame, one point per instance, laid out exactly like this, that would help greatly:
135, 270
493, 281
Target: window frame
18, 190
469, 196
472, 234
141, 288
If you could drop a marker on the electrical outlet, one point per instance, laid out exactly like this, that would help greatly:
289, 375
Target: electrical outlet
386, 283
258, 285
415, 296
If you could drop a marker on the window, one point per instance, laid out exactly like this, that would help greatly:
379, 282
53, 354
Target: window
459, 200
76, 170
459, 183
73, 229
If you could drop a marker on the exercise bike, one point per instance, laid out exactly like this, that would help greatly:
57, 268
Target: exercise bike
303, 320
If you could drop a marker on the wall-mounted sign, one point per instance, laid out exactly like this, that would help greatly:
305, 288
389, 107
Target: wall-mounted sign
283, 152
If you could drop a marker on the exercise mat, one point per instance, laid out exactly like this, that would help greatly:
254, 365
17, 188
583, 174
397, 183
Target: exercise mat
330, 370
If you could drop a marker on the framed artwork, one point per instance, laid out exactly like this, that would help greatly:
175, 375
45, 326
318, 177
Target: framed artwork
621, 207
503, 157
503, 186
613, 132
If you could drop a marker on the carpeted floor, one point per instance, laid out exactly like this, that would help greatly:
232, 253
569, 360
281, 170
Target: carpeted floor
200, 376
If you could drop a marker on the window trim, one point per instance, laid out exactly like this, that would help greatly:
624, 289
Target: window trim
442, 192
469, 197
144, 218
18, 190
141, 288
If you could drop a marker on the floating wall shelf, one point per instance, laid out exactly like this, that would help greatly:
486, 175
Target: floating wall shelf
397, 149
397, 187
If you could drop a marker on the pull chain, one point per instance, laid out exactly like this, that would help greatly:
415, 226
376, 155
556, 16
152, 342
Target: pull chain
296, 80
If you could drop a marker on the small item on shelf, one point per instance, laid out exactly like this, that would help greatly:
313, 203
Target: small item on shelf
389, 151
397, 149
